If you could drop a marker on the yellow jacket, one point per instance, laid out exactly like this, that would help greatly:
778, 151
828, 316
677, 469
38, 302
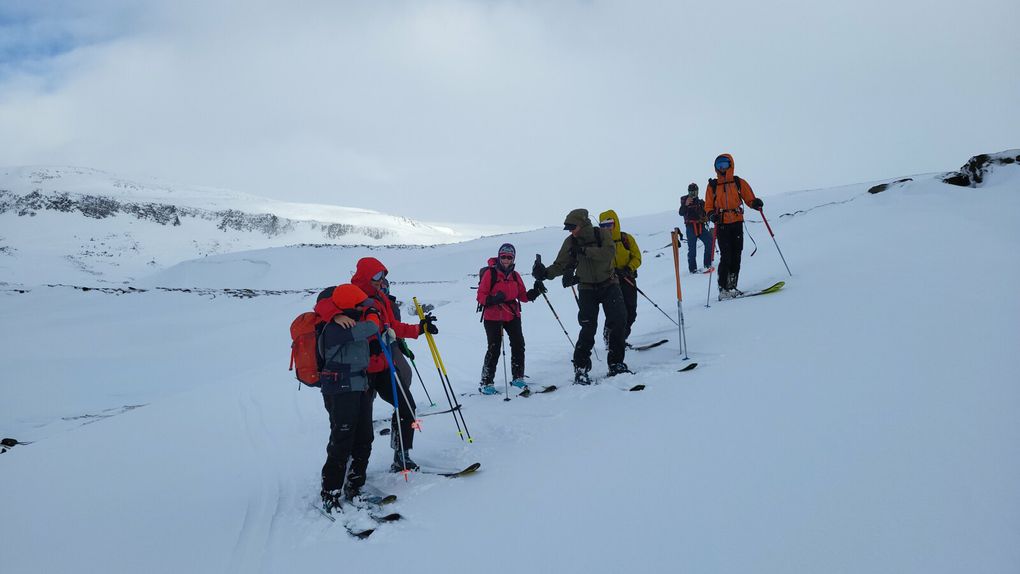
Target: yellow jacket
628, 254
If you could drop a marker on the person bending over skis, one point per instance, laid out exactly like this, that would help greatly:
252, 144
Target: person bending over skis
500, 293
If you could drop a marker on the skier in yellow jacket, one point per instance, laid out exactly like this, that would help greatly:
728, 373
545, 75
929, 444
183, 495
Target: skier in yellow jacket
628, 259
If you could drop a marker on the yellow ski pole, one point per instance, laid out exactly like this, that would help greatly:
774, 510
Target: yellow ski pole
444, 378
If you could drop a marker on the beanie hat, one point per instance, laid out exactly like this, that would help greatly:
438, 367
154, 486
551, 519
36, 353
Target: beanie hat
507, 248
348, 296
692, 187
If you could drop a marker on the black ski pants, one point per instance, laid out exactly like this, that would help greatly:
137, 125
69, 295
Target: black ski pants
381, 383
629, 292
350, 436
494, 335
731, 244
608, 295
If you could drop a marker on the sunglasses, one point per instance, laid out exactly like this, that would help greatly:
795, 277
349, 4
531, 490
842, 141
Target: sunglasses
607, 223
506, 257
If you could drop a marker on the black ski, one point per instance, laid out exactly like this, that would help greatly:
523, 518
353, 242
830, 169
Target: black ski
470, 469
688, 367
649, 346
637, 388
536, 390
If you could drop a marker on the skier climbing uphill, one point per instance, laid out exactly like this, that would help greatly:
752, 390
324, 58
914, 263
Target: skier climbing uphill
344, 350
369, 276
628, 259
723, 202
500, 294
587, 258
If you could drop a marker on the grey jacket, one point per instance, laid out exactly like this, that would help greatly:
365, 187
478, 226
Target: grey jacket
345, 357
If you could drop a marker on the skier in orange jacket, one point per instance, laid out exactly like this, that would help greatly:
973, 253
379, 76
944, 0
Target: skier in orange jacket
724, 201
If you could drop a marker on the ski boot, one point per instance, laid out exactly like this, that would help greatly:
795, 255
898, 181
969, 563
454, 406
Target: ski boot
619, 369
331, 501
519, 383
488, 389
401, 460
725, 294
353, 484
581, 376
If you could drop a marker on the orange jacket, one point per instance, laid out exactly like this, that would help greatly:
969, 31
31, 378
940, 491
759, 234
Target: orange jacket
726, 196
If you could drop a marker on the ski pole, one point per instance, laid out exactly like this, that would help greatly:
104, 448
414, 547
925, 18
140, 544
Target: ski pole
578, 301
753, 242
710, 273
769, 227
432, 403
628, 280
506, 384
396, 403
444, 376
538, 259
679, 293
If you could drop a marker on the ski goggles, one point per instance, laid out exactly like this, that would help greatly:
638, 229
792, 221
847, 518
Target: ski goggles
506, 257
379, 276
723, 164
607, 223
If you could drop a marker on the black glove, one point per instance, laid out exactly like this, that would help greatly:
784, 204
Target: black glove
538, 271
405, 349
374, 347
757, 204
569, 280
713, 216
540, 287
533, 294
624, 272
679, 234
428, 324
495, 299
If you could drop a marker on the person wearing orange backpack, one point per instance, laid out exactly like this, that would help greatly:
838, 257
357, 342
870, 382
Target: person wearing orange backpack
370, 276
724, 201
500, 294
348, 324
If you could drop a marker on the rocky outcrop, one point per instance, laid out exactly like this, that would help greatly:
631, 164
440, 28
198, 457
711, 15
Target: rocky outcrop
973, 173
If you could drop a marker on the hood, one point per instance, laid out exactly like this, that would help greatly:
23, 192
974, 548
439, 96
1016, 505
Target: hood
728, 174
367, 267
578, 217
606, 216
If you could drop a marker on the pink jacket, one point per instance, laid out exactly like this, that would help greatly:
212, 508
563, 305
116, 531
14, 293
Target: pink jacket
510, 284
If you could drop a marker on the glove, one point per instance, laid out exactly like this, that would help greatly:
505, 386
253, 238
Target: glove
624, 272
713, 217
495, 299
389, 336
538, 271
757, 204
428, 324
374, 347
569, 280
533, 294
679, 234
405, 349
540, 287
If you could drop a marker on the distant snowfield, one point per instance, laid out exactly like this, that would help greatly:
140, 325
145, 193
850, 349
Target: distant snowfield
864, 419
87, 227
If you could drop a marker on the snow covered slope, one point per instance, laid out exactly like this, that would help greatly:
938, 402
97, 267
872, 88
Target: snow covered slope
83, 226
864, 419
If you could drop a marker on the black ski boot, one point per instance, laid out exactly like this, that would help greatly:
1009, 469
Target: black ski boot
353, 484
619, 369
331, 501
581, 376
402, 460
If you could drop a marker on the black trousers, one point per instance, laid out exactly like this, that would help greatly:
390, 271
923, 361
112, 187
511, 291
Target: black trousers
350, 436
494, 335
730, 237
382, 385
611, 298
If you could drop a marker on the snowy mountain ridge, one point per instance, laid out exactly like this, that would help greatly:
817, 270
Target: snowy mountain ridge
65, 224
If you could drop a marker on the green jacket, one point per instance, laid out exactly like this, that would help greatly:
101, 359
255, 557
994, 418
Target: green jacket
592, 263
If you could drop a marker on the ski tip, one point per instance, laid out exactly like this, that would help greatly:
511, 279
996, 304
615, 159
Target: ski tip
636, 388
687, 368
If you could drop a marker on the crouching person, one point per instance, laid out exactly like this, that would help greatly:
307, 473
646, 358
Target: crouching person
344, 351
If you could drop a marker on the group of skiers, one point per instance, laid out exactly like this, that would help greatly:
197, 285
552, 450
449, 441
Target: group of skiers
362, 346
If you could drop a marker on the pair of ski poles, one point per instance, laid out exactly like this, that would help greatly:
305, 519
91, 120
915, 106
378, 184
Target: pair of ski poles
444, 379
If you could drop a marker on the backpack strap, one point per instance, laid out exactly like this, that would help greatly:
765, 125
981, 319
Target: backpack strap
625, 239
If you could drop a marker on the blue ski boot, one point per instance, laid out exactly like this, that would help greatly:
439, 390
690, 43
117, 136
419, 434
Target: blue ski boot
488, 389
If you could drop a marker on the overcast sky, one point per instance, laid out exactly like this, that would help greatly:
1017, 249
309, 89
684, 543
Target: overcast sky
508, 112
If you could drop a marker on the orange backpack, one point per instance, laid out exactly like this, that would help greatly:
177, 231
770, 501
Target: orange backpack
304, 332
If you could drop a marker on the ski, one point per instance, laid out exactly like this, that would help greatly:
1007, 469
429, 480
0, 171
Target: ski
636, 388
649, 346
764, 291
470, 469
687, 368
373, 495
536, 390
